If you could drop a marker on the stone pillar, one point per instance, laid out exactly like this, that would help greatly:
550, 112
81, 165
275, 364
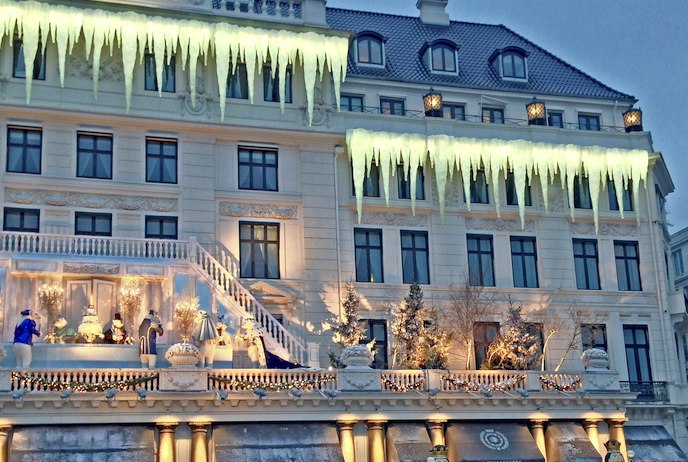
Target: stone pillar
199, 441
376, 441
436, 429
616, 432
5, 442
166, 442
537, 429
346, 436
591, 428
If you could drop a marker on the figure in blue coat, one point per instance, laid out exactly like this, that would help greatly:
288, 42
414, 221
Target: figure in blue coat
23, 338
149, 330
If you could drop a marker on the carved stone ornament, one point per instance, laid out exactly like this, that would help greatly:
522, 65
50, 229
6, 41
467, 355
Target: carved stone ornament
280, 212
602, 380
595, 359
90, 268
183, 380
604, 229
498, 224
111, 69
321, 116
390, 218
357, 357
360, 379
91, 201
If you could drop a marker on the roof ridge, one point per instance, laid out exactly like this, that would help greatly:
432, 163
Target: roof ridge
378, 13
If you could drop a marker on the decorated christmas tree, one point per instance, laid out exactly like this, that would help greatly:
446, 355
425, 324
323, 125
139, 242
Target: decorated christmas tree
348, 330
515, 348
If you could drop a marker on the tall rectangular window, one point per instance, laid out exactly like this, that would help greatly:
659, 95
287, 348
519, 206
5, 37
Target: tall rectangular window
161, 227
586, 264
21, 220
524, 261
151, 74
480, 260
478, 188
678, 262
93, 224
511, 196
589, 122
627, 197
493, 115
581, 193
392, 106
371, 182
627, 265
24, 149
594, 336
404, 184
454, 111
259, 250
376, 329
637, 353
368, 255
351, 103
161, 160
414, 257
94, 155
271, 85
555, 119
237, 83
257, 169
484, 333
19, 66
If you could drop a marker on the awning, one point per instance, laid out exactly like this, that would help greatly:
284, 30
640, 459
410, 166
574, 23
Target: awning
653, 443
504, 442
408, 442
277, 442
568, 442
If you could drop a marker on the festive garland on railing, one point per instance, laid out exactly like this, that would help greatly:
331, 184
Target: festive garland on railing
469, 385
552, 385
80, 387
393, 386
252, 384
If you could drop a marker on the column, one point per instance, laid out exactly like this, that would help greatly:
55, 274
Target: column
537, 429
166, 442
436, 429
616, 432
199, 441
4, 442
376, 441
591, 428
346, 436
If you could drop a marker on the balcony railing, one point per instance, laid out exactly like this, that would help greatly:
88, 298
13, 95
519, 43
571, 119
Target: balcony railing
648, 391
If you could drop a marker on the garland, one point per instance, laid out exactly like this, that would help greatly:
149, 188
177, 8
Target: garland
252, 385
80, 387
552, 385
469, 385
393, 386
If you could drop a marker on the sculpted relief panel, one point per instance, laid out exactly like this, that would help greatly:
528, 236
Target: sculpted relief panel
91, 201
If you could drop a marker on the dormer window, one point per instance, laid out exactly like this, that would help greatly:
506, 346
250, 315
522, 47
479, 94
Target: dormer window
510, 63
443, 58
369, 49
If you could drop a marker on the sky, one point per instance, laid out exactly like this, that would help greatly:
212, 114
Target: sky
639, 47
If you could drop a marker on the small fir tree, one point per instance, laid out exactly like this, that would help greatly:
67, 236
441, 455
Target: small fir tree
515, 348
348, 329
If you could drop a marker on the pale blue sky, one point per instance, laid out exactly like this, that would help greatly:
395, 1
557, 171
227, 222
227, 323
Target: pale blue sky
635, 46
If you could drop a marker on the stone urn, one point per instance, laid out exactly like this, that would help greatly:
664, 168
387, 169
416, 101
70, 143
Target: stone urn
183, 355
357, 357
595, 359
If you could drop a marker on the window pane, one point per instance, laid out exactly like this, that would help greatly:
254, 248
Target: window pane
363, 54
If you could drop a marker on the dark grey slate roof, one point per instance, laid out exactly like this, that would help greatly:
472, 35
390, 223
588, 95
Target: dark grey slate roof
406, 36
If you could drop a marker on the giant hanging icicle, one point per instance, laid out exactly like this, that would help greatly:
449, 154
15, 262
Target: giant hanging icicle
165, 37
496, 157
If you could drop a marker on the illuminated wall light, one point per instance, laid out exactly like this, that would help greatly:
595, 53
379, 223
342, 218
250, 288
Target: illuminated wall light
432, 103
537, 113
633, 120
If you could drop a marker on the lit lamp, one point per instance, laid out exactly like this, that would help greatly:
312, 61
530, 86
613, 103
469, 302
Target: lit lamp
633, 120
432, 102
537, 114
438, 454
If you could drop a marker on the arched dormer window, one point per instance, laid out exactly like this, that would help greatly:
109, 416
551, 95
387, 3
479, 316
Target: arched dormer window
440, 56
370, 49
510, 63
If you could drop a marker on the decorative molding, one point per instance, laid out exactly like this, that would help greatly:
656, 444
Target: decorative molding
91, 201
91, 268
192, 379
605, 229
360, 379
111, 69
183, 380
498, 224
390, 218
280, 212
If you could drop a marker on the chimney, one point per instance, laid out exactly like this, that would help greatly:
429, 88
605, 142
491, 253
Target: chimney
433, 12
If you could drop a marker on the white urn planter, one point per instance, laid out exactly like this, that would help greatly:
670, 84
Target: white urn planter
183, 355
595, 359
357, 357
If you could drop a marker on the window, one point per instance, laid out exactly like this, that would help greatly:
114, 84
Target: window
368, 255
24, 149
627, 265
371, 182
94, 156
93, 224
484, 333
404, 185
637, 353
627, 197
369, 50
535, 330
585, 263
259, 250
480, 260
257, 169
161, 160
414, 257
594, 336
351, 103
443, 58
524, 261
376, 329
454, 111
589, 122
555, 119
18, 64
493, 115
513, 66
237, 84
151, 74
478, 188
392, 106
581, 193
271, 86
23, 220
678, 262
161, 227
511, 196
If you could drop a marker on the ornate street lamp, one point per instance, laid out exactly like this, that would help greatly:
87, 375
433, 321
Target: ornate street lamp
537, 114
432, 103
633, 120
438, 454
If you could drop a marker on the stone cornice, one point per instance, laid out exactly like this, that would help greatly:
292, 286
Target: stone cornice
88, 200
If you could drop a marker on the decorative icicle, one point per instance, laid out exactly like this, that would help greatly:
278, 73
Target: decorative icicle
524, 159
191, 39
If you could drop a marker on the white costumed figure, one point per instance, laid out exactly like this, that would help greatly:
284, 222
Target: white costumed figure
205, 337
253, 342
